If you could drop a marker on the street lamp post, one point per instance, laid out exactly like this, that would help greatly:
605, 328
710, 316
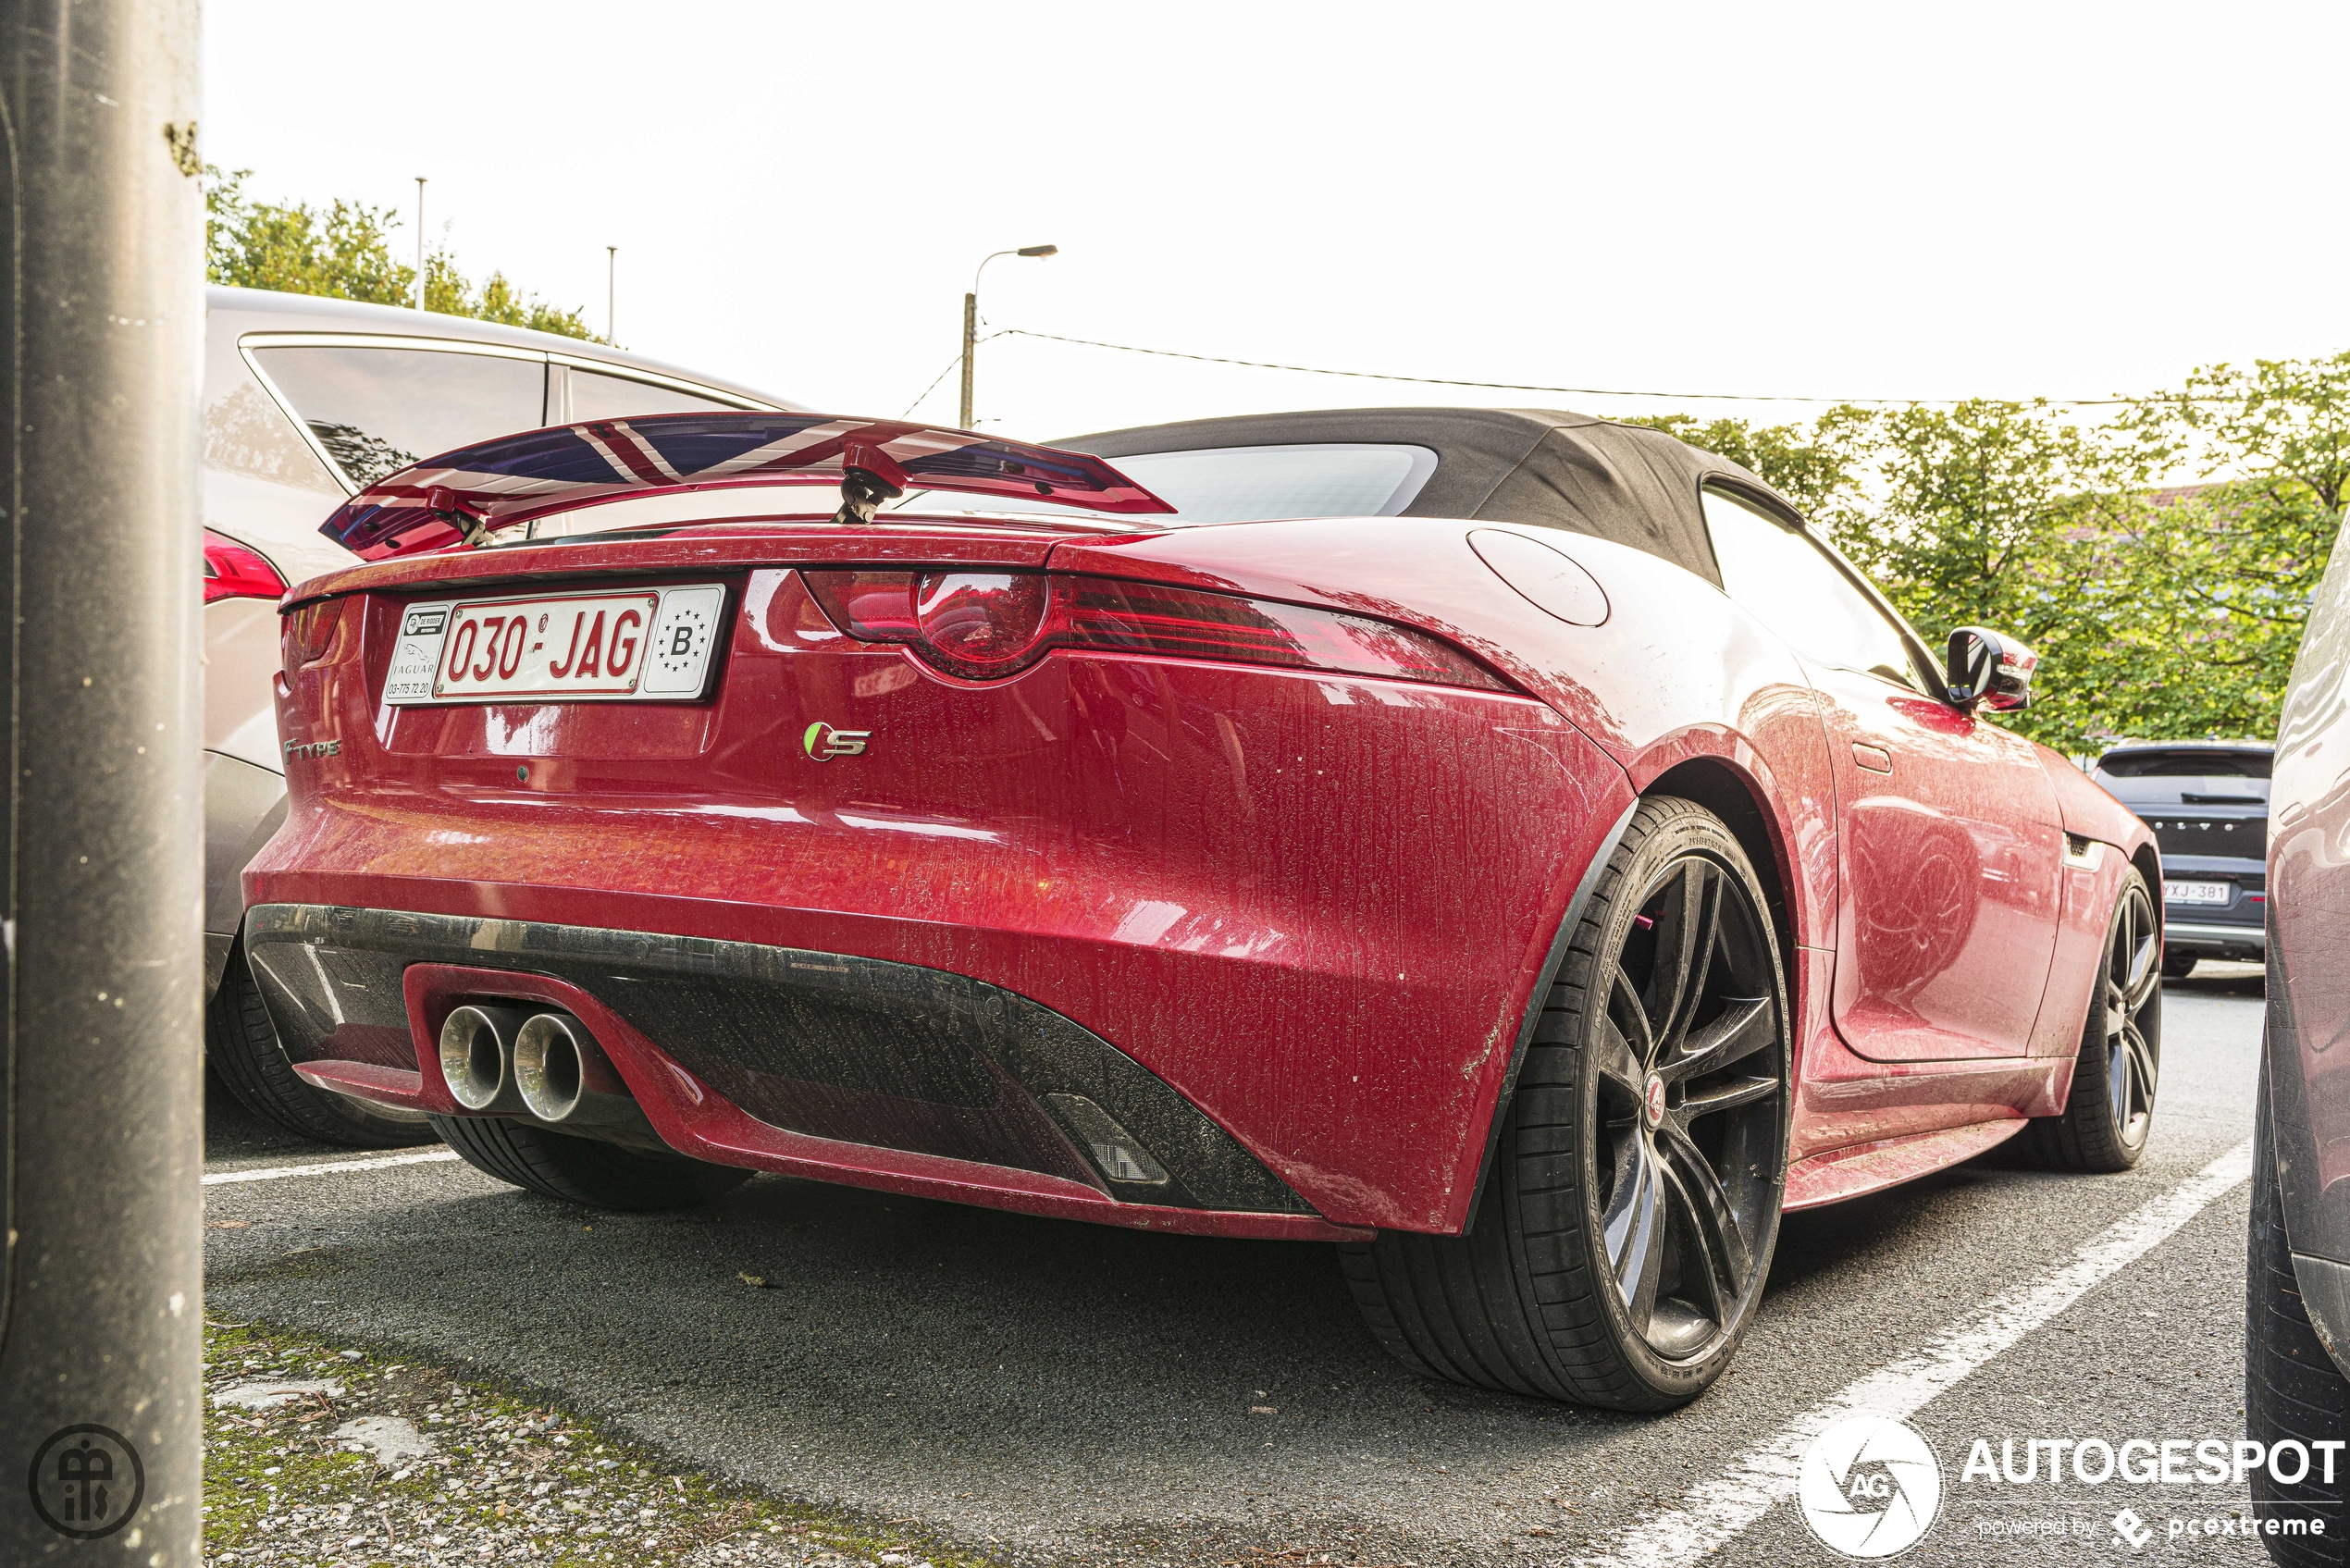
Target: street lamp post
970, 317
420, 241
102, 838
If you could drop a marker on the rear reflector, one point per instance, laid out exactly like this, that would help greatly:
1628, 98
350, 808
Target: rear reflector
231, 571
983, 625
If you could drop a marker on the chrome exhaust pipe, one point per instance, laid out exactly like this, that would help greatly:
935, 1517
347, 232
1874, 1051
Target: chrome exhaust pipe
476, 1057
564, 1077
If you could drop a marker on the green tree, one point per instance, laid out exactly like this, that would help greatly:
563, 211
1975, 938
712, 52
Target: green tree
1810, 467
1989, 513
2158, 611
344, 252
1972, 515
447, 290
2219, 577
2007, 515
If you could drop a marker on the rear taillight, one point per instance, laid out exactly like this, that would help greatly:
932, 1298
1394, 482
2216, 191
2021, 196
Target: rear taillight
231, 571
309, 630
981, 624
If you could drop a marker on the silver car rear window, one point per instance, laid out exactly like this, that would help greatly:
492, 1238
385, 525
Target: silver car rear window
377, 410
2194, 762
595, 396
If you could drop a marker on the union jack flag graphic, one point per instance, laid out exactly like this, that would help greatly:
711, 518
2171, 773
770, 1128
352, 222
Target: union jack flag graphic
479, 490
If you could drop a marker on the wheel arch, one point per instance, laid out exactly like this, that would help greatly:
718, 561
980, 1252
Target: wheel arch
2148, 858
2148, 861
1738, 799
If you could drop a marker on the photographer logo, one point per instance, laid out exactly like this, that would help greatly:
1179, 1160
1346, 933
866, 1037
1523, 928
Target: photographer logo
87, 1481
1870, 1486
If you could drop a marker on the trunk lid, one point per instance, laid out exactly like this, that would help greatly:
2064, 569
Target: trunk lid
763, 617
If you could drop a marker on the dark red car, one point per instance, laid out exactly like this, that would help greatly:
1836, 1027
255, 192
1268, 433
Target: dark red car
1510, 845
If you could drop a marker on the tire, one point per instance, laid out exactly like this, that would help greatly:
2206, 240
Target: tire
2292, 1391
2110, 1115
2178, 966
241, 1046
585, 1171
1603, 1174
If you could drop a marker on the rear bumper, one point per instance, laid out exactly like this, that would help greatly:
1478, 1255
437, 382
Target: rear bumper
2214, 940
842, 1068
1315, 908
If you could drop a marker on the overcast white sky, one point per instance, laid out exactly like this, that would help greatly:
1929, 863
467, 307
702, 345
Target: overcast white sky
1884, 201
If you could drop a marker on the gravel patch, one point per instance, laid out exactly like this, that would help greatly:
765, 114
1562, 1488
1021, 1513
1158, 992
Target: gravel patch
388, 1463
269, 1394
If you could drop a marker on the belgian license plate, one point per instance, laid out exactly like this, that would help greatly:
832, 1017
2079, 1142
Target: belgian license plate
647, 645
2197, 892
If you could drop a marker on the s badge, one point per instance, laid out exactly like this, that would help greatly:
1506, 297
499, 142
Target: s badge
824, 743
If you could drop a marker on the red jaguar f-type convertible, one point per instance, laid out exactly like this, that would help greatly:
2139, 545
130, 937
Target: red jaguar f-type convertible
1511, 846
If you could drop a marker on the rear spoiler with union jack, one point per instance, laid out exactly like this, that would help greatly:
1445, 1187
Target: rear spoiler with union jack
467, 495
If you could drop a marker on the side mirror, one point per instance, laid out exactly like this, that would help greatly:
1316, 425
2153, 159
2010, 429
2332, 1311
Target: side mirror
1989, 670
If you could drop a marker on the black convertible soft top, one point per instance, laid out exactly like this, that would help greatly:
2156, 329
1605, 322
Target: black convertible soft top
1624, 483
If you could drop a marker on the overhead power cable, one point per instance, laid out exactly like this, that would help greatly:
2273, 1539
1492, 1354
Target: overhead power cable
933, 386
1527, 386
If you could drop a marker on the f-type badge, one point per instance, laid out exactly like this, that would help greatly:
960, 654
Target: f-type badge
824, 743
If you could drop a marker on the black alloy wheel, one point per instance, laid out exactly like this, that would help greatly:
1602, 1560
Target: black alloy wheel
1632, 1208
2110, 1114
1688, 1119
2178, 966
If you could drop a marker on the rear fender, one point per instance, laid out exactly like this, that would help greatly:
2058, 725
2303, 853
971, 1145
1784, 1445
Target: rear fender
1675, 673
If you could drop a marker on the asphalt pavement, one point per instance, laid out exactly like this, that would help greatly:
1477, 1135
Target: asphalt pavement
1050, 1391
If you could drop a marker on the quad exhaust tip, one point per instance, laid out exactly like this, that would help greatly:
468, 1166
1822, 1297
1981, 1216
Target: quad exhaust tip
506, 1060
476, 1053
564, 1077
549, 1067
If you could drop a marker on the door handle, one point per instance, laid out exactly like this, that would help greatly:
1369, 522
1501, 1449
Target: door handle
1875, 759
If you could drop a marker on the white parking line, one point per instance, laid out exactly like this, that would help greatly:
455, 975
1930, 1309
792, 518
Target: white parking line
1717, 1511
279, 1172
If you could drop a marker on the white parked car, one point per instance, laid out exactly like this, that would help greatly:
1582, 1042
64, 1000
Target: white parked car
306, 400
